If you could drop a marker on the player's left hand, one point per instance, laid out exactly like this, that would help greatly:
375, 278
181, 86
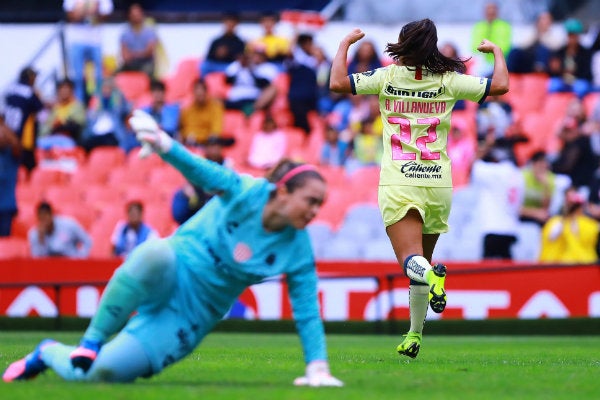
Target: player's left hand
149, 134
317, 374
486, 46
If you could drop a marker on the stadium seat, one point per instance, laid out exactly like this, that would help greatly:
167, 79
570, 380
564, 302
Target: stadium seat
127, 175
106, 157
379, 249
25, 192
529, 240
358, 230
320, 233
101, 246
58, 194
341, 249
13, 247
179, 85
100, 196
234, 123
133, 84
24, 220
79, 211
216, 85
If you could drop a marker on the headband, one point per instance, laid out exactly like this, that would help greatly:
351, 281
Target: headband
293, 172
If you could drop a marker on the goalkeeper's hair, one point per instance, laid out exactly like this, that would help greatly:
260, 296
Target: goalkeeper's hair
417, 47
292, 174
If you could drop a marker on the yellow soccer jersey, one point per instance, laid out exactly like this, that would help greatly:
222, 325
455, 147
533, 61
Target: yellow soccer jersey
416, 107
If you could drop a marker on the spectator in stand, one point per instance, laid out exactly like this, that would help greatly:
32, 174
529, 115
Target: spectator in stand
64, 125
107, 116
202, 118
540, 184
493, 117
301, 68
500, 188
365, 58
336, 148
367, 147
576, 157
84, 34
129, 233
165, 114
450, 50
461, 150
276, 47
495, 30
138, 43
570, 67
533, 53
324, 95
57, 235
190, 198
251, 78
21, 107
224, 49
268, 146
10, 155
571, 237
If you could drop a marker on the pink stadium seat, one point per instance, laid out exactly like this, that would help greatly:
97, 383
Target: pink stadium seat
13, 247
24, 220
64, 194
179, 85
126, 175
216, 84
133, 84
106, 157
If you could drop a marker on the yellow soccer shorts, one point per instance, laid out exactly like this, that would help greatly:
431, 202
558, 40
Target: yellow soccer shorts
433, 203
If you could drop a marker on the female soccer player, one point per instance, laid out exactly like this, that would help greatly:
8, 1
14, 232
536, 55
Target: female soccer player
181, 286
416, 96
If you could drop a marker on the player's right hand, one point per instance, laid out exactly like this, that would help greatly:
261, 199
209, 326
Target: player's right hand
354, 36
149, 134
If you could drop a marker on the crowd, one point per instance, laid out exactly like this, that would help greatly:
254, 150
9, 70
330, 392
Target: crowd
278, 87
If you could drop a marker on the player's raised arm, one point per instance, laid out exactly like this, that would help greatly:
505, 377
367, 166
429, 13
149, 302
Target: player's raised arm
339, 81
207, 174
499, 84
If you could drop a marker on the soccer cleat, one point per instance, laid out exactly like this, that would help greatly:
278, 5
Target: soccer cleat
83, 356
28, 367
410, 345
437, 294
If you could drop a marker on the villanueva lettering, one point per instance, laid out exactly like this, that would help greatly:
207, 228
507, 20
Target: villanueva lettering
418, 107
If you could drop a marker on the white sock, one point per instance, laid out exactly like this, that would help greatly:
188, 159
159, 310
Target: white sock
418, 301
417, 268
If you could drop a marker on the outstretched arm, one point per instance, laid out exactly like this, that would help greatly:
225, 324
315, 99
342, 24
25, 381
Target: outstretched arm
499, 84
339, 80
209, 175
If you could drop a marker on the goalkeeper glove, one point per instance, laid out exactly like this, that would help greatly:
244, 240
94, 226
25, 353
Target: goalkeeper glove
148, 132
317, 374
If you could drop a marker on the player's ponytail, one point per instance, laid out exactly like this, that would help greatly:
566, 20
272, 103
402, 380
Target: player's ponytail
417, 47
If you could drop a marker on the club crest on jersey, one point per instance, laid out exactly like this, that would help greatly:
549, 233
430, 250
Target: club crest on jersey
242, 252
368, 73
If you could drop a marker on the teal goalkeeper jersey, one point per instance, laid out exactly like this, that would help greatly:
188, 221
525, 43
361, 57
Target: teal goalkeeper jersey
416, 107
225, 248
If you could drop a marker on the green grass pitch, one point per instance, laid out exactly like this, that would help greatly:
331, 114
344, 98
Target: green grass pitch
263, 366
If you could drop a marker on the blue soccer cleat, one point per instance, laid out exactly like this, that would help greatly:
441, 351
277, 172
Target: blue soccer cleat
28, 367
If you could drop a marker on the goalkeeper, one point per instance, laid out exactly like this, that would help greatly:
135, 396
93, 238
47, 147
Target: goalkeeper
181, 286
